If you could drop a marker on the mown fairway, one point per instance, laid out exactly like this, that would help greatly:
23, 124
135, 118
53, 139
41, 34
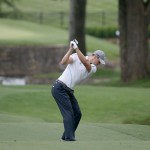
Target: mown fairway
30, 119
98, 104
45, 136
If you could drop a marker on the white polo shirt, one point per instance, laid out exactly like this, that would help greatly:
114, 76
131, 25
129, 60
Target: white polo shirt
75, 72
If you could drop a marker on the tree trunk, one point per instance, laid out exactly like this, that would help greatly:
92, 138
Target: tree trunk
134, 23
77, 23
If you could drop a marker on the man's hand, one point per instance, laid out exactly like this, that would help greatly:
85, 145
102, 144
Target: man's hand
74, 45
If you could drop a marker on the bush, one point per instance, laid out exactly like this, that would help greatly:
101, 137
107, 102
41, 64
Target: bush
102, 32
105, 32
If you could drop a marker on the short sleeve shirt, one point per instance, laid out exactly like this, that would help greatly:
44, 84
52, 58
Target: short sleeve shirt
76, 72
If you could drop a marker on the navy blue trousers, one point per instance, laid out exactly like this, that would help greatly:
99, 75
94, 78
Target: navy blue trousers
69, 109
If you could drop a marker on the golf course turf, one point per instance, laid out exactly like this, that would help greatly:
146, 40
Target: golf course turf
45, 136
24, 123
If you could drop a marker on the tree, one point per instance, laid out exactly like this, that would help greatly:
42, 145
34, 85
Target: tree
134, 19
77, 22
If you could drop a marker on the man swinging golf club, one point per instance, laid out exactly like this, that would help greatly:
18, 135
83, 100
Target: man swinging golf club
78, 68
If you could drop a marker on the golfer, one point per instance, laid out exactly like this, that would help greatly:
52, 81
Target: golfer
78, 68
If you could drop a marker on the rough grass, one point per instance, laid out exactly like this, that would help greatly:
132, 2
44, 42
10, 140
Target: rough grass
24, 33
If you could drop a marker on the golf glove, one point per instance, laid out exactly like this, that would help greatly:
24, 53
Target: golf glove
74, 45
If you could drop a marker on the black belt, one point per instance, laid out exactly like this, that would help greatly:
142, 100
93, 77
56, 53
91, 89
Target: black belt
65, 85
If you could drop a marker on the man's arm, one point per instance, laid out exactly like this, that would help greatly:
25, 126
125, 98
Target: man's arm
67, 59
82, 58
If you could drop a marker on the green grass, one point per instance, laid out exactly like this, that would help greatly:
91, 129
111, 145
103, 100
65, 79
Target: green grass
111, 77
44, 136
30, 119
25, 33
104, 105
98, 13
63, 5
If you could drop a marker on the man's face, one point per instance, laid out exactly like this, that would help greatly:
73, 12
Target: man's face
94, 60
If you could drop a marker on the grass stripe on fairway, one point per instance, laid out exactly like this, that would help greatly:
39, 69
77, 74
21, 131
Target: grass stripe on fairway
21, 136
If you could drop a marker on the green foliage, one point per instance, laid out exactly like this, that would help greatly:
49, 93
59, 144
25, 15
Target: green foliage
102, 32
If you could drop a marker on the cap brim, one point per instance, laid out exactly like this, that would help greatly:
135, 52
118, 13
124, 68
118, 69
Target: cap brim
102, 62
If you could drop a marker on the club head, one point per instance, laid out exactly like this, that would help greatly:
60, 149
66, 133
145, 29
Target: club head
75, 41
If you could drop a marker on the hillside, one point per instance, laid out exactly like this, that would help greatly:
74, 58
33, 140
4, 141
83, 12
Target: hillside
63, 5
56, 12
15, 32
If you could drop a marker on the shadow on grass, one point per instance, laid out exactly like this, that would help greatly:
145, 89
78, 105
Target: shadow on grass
145, 121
